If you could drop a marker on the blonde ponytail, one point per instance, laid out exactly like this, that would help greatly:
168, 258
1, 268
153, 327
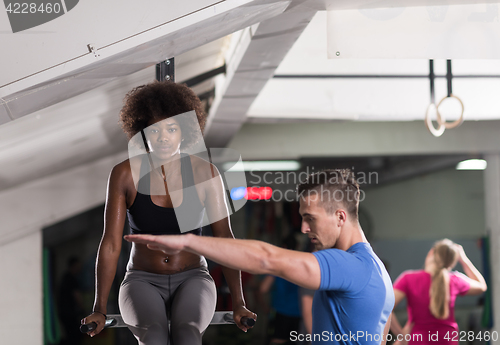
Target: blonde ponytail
445, 257
440, 294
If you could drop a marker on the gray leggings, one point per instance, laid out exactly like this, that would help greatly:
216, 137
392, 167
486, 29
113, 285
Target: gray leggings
148, 300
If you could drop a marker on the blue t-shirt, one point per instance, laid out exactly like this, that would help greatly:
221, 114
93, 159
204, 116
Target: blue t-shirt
355, 297
286, 297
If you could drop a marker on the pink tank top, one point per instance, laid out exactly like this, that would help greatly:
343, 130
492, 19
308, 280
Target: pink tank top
428, 329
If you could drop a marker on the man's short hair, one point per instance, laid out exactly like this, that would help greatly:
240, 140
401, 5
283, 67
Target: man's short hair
333, 187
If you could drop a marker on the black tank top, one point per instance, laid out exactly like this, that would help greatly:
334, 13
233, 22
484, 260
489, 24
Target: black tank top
145, 217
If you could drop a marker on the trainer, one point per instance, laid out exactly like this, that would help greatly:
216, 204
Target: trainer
354, 296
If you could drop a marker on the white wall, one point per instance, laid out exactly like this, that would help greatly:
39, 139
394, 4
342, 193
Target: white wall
24, 211
447, 203
21, 319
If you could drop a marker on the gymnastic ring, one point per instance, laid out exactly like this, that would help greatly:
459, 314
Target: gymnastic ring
428, 123
442, 121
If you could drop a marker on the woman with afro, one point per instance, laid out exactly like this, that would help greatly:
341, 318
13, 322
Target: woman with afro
144, 190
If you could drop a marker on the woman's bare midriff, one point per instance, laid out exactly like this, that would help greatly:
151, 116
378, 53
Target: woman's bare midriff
153, 261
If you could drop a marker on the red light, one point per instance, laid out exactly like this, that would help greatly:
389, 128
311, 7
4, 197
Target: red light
259, 193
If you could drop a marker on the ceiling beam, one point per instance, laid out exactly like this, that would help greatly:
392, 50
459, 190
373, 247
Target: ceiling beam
344, 139
260, 51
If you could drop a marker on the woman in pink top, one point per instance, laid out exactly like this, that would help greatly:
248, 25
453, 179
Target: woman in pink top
431, 295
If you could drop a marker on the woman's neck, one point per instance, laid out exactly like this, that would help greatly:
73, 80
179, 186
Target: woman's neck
173, 160
168, 167
431, 268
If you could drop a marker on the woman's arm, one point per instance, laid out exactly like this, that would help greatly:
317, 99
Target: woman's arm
386, 330
110, 246
264, 287
266, 284
233, 277
395, 325
476, 282
396, 328
218, 216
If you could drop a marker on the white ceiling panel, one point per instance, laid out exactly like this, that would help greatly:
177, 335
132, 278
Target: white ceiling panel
480, 98
309, 56
475, 67
429, 32
341, 99
368, 4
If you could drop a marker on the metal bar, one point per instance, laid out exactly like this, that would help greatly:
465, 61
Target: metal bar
431, 79
327, 76
206, 95
160, 71
370, 76
449, 77
205, 76
219, 318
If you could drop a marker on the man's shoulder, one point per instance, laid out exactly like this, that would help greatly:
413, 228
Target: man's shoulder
360, 247
347, 261
358, 250
363, 251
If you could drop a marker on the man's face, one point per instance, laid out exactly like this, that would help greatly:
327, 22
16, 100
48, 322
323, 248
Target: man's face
320, 226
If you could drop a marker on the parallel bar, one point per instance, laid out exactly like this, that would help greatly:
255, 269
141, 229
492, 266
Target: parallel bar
219, 318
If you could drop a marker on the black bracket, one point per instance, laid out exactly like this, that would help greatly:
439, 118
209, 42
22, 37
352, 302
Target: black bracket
165, 70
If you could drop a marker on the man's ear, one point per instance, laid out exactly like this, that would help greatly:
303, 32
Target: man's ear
341, 216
